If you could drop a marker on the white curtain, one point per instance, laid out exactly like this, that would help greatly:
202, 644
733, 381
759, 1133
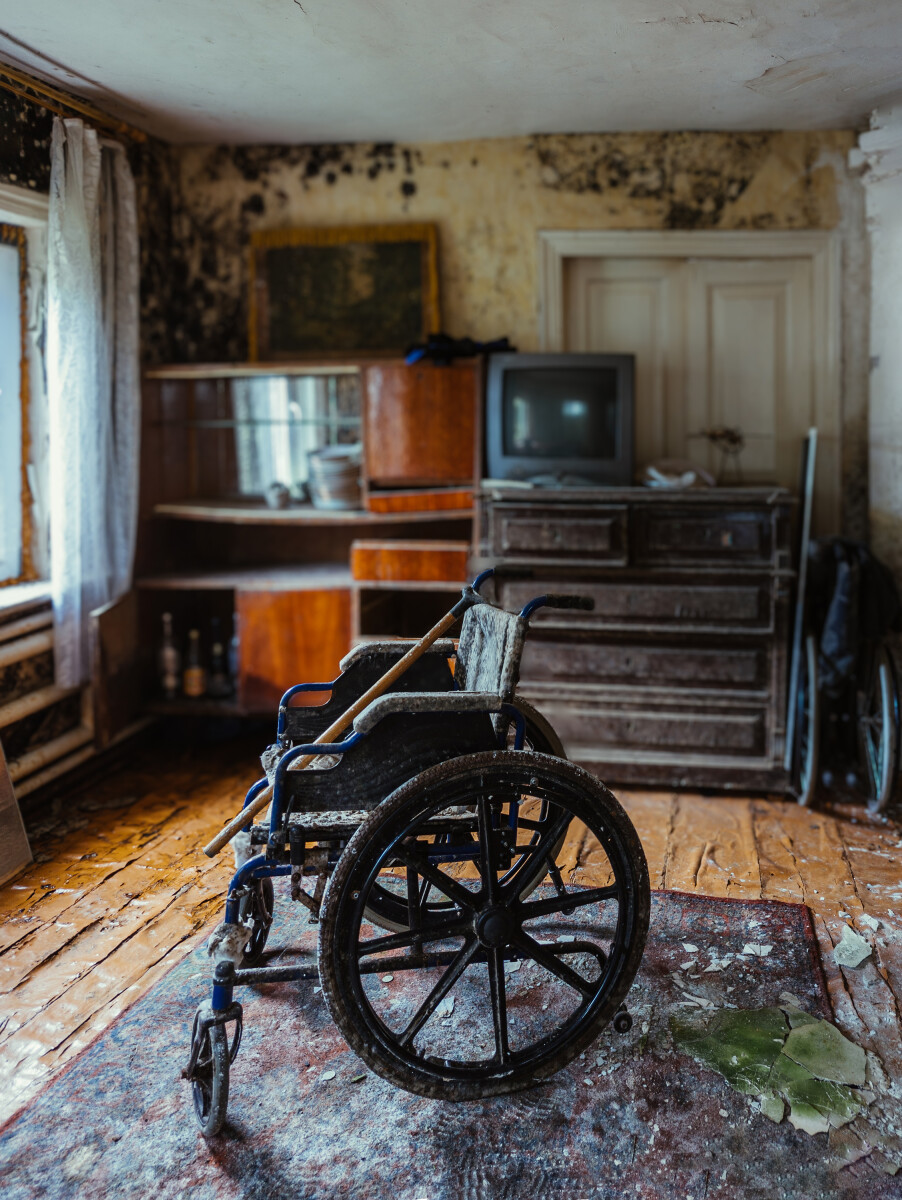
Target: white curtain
92, 384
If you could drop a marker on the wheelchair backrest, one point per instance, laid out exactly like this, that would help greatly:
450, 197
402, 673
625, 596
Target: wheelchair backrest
489, 650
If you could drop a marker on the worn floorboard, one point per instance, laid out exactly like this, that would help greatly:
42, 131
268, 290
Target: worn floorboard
120, 888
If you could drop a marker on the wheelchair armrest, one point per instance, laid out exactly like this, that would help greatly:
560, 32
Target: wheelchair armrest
423, 702
397, 647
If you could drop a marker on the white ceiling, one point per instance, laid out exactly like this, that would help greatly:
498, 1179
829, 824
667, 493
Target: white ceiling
435, 70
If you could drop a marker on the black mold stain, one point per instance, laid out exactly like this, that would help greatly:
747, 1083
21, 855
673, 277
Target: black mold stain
253, 204
408, 188
690, 178
24, 143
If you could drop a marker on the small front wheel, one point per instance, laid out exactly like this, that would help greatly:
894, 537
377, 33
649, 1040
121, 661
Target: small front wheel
210, 1080
257, 909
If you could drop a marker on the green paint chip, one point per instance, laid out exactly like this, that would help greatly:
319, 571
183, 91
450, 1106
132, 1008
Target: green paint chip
783, 1057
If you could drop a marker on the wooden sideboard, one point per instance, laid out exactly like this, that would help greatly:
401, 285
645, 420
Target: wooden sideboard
678, 677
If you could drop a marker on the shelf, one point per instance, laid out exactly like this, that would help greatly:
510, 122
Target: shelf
408, 585
236, 423
309, 577
249, 370
204, 706
258, 513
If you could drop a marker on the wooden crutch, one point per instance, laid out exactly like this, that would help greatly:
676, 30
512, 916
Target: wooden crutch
467, 600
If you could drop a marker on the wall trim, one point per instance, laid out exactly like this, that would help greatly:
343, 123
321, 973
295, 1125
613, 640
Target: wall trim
21, 206
821, 248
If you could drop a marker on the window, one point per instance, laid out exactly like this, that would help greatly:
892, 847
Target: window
16, 560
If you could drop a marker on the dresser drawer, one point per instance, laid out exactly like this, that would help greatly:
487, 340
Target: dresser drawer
565, 532
675, 537
673, 728
744, 605
646, 664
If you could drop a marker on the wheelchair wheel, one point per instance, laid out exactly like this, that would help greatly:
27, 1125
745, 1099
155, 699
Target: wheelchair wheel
496, 992
210, 1081
806, 742
878, 730
388, 906
257, 908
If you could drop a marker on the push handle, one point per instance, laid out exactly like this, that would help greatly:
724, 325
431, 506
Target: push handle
561, 600
557, 600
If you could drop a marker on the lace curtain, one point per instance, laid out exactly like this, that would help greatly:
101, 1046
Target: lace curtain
92, 384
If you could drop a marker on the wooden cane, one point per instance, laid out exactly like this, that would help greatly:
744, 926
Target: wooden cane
337, 727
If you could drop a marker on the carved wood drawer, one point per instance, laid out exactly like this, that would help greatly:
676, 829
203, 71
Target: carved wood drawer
743, 668
677, 537
641, 604
578, 533
675, 728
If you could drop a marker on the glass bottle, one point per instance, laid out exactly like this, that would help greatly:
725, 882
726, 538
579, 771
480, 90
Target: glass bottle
218, 682
169, 661
194, 680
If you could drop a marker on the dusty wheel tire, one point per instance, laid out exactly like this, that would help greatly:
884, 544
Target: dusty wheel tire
258, 908
390, 911
210, 1082
806, 747
878, 731
482, 917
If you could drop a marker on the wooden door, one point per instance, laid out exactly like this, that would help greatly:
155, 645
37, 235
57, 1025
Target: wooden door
718, 342
636, 306
287, 638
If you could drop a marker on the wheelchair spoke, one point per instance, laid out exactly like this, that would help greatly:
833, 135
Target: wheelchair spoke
488, 850
432, 931
440, 991
570, 900
441, 882
499, 1003
546, 958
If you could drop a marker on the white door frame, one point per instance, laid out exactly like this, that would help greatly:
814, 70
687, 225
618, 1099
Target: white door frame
822, 249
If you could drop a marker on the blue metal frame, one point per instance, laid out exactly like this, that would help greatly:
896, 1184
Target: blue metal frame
293, 691
264, 865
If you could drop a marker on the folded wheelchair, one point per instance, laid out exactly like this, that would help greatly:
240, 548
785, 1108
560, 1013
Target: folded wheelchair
440, 848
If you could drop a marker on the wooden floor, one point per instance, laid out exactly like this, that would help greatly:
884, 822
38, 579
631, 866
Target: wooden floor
120, 888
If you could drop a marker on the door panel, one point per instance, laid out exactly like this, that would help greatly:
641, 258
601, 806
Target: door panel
749, 364
634, 306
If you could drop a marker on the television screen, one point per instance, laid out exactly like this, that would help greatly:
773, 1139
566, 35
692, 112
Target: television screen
560, 420
559, 413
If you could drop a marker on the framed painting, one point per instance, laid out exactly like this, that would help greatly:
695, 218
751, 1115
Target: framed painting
353, 290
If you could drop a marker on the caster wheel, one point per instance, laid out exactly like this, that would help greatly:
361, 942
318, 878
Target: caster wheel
210, 1081
257, 908
622, 1022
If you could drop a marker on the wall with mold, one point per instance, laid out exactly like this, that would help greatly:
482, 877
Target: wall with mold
882, 153
25, 130
489, 198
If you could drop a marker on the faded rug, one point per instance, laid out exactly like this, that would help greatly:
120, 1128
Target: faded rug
632, 1118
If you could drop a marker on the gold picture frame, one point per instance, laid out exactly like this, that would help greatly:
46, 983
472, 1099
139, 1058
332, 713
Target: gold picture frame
348, 291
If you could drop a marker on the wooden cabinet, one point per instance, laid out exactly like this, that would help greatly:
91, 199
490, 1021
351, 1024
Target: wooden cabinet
678, 676
420, 423
214, 438
288, 637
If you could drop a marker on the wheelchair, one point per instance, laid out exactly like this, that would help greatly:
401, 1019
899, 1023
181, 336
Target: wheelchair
435, 848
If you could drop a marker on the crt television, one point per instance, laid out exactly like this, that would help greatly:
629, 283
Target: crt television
560, 419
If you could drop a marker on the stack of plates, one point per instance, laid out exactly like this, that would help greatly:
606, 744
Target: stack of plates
335, 477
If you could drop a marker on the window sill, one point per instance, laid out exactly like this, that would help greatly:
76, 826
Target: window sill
19, 597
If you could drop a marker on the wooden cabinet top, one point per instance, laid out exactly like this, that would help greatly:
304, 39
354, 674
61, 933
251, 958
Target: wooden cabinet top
721, 497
